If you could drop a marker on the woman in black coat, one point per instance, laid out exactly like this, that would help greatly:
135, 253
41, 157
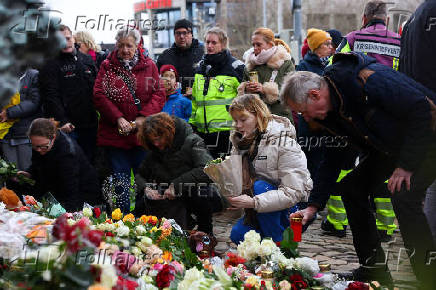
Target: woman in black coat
60, 167
170, 179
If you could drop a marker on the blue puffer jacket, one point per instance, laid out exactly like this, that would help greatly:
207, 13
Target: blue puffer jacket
178, 105
312, 63
390, 113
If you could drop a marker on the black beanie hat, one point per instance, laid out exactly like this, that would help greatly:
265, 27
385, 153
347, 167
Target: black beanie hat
183, 23
336, 36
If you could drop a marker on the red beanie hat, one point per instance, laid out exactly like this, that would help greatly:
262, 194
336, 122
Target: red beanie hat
304, 48
168, 67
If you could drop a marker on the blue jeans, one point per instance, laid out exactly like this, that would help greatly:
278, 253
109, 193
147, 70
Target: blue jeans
122, 162
271, 224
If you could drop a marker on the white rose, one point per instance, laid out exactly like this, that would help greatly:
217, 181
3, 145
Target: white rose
108, 277
252, 237
46, 275
267, 248
146, 241
308, 265
87, 212
140, 230
135, 251
122, 231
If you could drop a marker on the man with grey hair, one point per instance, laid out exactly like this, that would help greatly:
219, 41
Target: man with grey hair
391, 120
374, 38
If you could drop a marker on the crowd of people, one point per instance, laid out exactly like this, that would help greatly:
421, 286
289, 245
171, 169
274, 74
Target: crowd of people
159, 124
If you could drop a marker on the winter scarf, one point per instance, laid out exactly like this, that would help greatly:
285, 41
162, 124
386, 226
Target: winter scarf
248, 147
263, 56
216, 60
130, 63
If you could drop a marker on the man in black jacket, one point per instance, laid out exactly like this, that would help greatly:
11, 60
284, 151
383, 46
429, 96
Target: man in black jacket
418, 43
66, 86
388, 117
185, 53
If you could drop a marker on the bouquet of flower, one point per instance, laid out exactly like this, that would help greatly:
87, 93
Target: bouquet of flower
9, 170
227, 174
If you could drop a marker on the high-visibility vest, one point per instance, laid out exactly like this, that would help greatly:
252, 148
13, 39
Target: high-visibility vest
375, 41
209, 112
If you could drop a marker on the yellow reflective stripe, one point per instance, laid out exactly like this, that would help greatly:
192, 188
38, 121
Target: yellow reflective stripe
383, 204
335, 201
339, 225
338, 216
215, 125
386, 220
343, 174
395, 63
215, 102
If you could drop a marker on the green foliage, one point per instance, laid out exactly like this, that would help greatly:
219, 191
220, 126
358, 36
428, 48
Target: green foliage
288, 246
9, 170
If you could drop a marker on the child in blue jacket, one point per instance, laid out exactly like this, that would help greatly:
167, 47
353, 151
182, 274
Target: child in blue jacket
176, 104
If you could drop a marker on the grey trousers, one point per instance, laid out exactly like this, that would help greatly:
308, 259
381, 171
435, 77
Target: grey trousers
21, 154
430, 208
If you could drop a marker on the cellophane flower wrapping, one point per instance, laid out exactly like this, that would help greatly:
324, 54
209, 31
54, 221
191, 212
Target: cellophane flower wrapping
227, 175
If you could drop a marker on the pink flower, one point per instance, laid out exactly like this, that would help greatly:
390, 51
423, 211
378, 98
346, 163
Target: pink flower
177, 266
158, 266
123, 261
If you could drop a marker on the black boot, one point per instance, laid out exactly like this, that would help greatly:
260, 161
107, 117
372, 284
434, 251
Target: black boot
330, 229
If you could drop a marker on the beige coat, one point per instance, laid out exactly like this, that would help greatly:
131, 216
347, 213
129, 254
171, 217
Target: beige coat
280, 160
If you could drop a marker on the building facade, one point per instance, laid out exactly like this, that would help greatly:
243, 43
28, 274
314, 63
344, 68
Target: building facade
240, 17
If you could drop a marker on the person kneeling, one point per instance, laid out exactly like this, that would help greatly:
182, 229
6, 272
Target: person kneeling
274, 169
171, 178
60, 167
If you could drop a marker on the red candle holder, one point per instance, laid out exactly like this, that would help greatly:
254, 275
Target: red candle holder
297, 228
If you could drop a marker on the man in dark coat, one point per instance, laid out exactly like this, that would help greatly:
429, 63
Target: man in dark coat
418, 43
66, 86
185, 53
388, 117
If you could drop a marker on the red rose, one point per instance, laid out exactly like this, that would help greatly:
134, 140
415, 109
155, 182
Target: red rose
165, 276
357, 286
59, 227
97, 212
109, 234
297, 282
95, 237
125, 284
233, 260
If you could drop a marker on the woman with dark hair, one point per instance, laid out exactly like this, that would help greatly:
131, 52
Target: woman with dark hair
274, 169
126, 91
60, 167
171, 177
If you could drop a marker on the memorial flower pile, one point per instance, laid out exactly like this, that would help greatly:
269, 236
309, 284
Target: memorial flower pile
92, 249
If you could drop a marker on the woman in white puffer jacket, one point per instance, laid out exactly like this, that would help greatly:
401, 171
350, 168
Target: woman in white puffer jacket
274, 168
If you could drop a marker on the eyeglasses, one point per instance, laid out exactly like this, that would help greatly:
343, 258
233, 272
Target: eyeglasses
42, 147
182, 33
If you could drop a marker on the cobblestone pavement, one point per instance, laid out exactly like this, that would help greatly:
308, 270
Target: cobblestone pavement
338, 252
